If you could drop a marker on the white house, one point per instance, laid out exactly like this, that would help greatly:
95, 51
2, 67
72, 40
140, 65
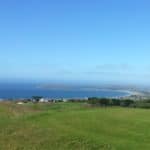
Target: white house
42, 100
20, 103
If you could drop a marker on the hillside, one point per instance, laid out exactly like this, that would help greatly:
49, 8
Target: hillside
72, 126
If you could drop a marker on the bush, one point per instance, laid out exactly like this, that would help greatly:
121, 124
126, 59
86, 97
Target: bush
147, 101
116, 102
104, 101
77, 100
126, 103
93, 100
99, 101
142, 105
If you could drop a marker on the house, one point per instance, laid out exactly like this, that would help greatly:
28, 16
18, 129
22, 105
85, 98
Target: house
43, 100
65, 100
20, 103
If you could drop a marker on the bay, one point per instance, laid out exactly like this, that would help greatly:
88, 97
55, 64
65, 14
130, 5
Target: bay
14, 91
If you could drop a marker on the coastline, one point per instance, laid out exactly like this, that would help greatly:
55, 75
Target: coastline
130, 92
76, 94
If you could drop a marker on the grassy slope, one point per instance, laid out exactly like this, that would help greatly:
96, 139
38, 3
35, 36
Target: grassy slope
72, 126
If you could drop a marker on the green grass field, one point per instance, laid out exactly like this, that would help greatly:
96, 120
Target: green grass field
73, 126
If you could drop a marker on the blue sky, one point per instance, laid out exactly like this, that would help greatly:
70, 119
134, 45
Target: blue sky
75, 40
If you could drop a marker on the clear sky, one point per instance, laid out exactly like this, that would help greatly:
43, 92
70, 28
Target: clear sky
75, 40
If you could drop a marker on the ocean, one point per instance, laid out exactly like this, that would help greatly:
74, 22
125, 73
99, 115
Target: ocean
13, 91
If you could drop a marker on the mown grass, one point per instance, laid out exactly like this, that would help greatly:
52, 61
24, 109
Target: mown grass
72, 126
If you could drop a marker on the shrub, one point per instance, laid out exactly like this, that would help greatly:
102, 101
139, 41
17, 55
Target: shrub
93, 100
147, 101
99, 101
142, 105
116, 102
126, 103
104, 101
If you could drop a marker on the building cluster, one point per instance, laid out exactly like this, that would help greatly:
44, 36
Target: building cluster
49, 100
135, 97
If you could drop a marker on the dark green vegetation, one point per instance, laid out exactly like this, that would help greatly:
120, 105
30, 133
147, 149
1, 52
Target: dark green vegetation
117, 102
73, 126
36, 98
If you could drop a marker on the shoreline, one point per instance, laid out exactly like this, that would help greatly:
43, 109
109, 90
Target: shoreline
123, 94
130, 92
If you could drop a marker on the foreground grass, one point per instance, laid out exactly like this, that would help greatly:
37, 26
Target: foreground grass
72, 126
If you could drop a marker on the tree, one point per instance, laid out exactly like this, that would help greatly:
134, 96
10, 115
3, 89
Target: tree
104, 101
126, 102
93, 100
116, 102
36, 98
